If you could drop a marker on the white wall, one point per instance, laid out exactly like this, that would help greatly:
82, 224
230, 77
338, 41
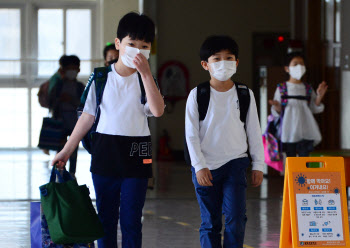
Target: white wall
345, 110
183, 25
345, 82
113, 11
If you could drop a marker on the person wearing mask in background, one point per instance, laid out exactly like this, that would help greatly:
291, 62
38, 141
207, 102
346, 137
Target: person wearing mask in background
294, 103
110, 54
46, 88
64, 99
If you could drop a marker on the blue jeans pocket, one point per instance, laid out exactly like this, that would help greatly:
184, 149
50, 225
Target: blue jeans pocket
202, 191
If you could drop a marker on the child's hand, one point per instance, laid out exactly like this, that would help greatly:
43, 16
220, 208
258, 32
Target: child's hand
276, 105
322, 89
141, 64
257, 178
60, 159
204, 177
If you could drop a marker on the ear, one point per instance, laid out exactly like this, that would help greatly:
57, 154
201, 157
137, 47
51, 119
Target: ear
205, 65
117, 43
237, 62
286, 68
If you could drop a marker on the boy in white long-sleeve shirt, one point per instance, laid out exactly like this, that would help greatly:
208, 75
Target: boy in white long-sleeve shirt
219, 137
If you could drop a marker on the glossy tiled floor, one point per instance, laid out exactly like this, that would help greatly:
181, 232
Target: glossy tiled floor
171, 214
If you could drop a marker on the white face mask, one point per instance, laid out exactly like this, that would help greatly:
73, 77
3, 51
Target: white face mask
223, 70
130, 54
297, 71
71, 74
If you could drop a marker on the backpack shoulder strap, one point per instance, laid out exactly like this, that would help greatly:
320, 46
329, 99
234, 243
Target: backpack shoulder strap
203, 98
243, 99
100, 77
284, 93
308, 89
143, 92
142, 87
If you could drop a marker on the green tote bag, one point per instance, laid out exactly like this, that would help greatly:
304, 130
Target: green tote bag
69, 212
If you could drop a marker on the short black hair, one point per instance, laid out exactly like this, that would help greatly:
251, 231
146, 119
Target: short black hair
137, 26
63, 58
291, 56
107, 48
66, 60
216, 43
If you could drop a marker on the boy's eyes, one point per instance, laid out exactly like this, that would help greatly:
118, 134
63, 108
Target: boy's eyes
143, 47
228, 58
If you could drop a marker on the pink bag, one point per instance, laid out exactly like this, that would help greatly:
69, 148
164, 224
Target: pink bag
273, 157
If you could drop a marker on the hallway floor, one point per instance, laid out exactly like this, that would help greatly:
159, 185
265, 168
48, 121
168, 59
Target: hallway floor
171, 213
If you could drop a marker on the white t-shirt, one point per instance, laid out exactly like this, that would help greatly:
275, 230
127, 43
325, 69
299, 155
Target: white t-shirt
221, 136
298, 120
122, 112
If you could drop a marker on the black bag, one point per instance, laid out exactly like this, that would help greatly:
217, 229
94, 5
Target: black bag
52, 135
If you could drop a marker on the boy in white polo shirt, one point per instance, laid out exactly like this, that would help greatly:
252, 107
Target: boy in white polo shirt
222, 128
121, 154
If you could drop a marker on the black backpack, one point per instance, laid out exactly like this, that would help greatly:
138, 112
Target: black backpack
203, 99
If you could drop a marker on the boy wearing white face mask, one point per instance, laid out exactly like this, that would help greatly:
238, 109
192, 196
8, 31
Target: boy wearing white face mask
65, 98
121, 150
295, 102
222, 128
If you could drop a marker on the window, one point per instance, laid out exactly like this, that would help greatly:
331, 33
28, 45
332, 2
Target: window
33, 36
10, 36
78, 34
63, 31
50, 40
14, 116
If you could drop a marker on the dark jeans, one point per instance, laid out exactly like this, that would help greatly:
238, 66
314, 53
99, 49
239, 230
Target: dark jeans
129, 195
227, 196
302, 148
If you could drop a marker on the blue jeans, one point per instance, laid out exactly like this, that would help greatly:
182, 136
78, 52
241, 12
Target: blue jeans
227, 196
127, 193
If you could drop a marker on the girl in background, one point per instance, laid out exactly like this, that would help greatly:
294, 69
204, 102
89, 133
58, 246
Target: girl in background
294, 103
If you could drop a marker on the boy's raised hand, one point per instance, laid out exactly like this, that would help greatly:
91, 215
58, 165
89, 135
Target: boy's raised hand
257, 178
204, 177
142, 64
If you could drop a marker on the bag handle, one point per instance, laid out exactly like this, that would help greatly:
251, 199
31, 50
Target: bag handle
61, 178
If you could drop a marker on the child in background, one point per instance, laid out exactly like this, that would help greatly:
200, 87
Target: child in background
296, 102
64, 99
121, 155
110, 54
219, 145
